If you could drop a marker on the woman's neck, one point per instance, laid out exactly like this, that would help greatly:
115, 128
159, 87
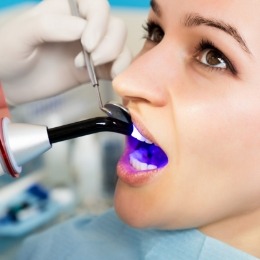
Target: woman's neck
241, 232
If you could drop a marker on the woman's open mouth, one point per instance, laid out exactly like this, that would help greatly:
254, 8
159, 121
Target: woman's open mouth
141, 161
145, 155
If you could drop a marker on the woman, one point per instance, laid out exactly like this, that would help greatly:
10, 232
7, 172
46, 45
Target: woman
193, 92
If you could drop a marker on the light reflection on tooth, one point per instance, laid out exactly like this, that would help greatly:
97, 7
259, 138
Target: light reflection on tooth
139, 137
136, 134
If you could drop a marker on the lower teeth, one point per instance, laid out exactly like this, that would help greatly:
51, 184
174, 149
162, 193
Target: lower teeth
140, 166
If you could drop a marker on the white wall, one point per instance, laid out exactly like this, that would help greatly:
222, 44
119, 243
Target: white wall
134, 19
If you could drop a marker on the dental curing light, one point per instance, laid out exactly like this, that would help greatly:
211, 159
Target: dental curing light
20, 143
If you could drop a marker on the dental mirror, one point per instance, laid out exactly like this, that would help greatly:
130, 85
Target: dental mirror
118, 111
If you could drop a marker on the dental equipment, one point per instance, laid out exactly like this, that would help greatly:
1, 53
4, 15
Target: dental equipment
20, 143
112, 109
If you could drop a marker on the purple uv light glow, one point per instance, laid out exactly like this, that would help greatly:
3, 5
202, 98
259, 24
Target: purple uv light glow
148, 153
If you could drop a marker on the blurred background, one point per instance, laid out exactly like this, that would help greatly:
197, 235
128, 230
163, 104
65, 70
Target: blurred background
75, 177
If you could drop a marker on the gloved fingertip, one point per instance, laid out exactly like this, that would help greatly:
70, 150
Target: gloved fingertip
97, 58
116, 70
79, 61
123, 61
113, 74
90, 44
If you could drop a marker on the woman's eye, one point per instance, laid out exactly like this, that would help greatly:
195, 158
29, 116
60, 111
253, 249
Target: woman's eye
212, 58
153, 32
209, 56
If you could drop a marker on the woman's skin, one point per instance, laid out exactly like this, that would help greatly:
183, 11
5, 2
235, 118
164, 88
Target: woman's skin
194, 90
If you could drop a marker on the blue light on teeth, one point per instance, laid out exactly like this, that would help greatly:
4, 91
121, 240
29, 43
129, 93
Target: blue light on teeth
145, 152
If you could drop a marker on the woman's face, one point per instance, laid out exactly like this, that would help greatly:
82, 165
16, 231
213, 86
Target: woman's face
194, 91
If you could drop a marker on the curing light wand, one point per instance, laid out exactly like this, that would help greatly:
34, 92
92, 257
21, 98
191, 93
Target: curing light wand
87, 127
20, 143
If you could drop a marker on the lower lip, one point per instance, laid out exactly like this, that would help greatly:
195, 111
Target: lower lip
129, 175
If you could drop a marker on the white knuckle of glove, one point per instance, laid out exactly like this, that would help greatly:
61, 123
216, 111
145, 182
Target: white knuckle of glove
39, 47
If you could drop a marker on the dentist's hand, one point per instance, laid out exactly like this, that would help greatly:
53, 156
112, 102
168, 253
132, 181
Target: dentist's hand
40, 51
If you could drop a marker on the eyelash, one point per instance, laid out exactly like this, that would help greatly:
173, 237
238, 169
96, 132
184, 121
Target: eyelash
151, 27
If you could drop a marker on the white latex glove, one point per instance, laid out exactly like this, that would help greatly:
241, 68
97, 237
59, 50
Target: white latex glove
40, 50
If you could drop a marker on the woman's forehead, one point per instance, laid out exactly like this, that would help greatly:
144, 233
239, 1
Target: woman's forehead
239, 17
227, 8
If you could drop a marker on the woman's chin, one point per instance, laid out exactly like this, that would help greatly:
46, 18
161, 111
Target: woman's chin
129, 207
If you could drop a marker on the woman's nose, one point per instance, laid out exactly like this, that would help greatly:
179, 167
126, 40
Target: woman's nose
142, 81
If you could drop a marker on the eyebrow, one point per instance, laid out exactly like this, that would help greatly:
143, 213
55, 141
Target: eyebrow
155, 7
194, 19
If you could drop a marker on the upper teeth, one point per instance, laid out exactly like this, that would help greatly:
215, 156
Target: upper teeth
139, 137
